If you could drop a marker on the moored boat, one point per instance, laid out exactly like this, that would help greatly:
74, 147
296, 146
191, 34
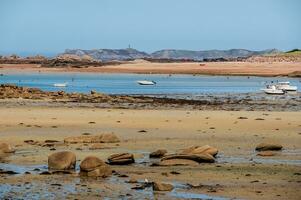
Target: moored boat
272, 89
146, 82
286, 86
60, 85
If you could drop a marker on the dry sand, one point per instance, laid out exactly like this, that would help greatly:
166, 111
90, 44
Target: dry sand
239, 173
210, 68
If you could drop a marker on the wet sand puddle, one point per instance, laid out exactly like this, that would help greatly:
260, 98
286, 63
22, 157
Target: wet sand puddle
277, 159
42, 184
221, 158
70, 186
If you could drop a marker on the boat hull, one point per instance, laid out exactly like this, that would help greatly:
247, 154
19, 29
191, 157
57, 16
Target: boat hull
272, 91
146, 82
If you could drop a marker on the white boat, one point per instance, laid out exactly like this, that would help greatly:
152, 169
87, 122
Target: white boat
272, 89
146, 82
60, 85
286, 86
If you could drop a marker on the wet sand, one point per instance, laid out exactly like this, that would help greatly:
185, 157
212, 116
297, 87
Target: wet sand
144, 67
237, 173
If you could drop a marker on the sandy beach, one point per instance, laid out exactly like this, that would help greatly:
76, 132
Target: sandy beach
144, 67
238, 172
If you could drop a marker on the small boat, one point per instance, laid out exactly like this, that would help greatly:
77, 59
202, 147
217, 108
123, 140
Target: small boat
272, 89
60, 85
146, 82
286, 86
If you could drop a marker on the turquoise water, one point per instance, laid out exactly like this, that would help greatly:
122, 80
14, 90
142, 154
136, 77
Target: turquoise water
126, 83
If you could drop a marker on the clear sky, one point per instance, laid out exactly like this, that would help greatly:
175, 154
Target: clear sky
51, 26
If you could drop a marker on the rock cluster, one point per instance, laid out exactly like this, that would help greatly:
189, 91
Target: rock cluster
190, 156
8, 91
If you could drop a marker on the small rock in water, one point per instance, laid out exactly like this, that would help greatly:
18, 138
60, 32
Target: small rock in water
95, 167
242, 118
158, 153
121, 159
132, 180
9, 172
158, 186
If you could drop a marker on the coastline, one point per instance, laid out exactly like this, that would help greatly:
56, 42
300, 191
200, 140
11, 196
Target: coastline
289, 69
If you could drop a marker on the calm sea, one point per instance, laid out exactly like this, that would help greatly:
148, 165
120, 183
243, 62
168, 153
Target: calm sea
127, 83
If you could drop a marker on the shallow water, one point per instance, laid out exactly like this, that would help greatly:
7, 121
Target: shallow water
73, 185
126, 83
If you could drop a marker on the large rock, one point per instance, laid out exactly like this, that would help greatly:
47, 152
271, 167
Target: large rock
6, 148
103, 138
158, 186
63, 160
200, 158
121, 159
93, 166
201, 150
268, 147
158, 154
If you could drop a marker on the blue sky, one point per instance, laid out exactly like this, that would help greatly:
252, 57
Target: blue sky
51, 26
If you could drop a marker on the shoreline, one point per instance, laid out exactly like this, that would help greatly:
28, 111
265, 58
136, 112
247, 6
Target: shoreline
281, 69
12, 95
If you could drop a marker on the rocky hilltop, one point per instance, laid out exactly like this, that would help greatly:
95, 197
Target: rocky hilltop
108, 54
173, 54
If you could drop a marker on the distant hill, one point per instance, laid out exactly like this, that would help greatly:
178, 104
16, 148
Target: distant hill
130, 54
289, 56
108, 54
209, 54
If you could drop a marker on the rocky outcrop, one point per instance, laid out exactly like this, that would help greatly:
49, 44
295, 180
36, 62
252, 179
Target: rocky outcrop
103, 138
63, 160
95, 167
158, 153
121, 159
159, 186
268, 147
6, 148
